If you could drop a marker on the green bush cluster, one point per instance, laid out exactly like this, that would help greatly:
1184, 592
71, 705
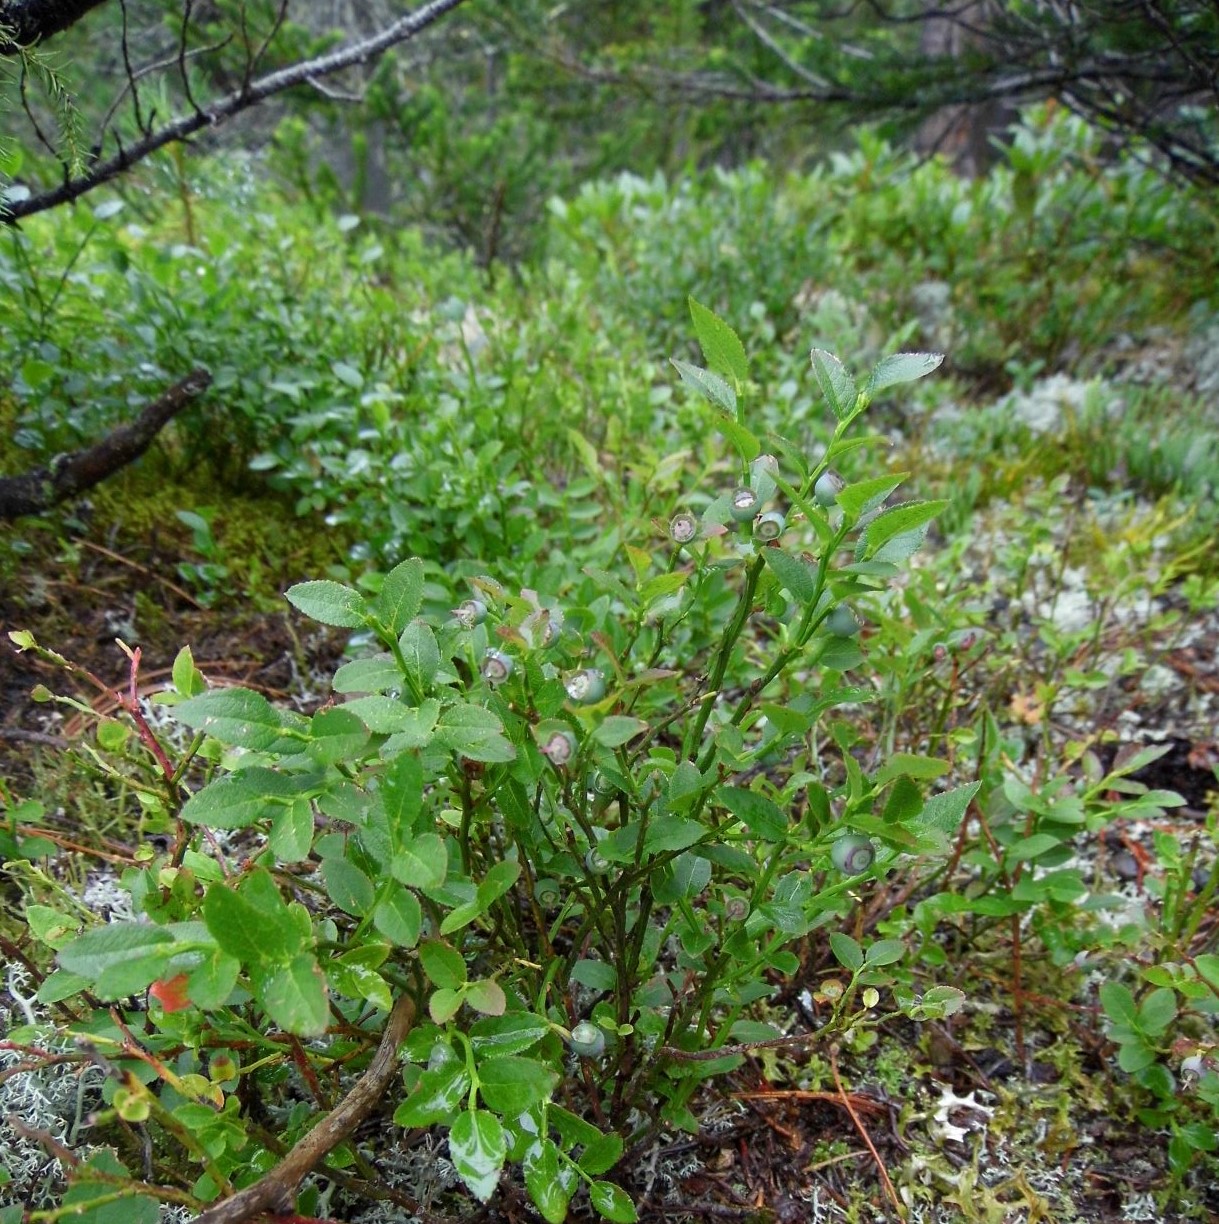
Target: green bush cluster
651, 699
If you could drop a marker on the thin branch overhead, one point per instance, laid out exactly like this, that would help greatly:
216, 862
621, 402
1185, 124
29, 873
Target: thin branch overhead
250, 94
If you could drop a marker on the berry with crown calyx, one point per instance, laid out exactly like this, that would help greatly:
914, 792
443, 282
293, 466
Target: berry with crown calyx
770, 526
560, 747
497, 667
548, 893
470, 613
587, 1040
683, 527
743, 505
852, 854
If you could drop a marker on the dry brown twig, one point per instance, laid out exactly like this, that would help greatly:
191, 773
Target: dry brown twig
885, 1180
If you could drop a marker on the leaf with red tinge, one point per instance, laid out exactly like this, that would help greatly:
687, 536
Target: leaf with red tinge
171, 993
486, 996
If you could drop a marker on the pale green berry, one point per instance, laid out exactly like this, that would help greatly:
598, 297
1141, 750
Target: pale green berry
587, 687
548, 893
826, 490
842, 622
770, 526
736, 908
852, 854
683, 527
497, 667
472, 612
560, 747
744, 505
603, 784
587, 1040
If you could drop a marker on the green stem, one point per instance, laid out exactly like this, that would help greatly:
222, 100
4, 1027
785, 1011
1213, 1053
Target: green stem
732, 632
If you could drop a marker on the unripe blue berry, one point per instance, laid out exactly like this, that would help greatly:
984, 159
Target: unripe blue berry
736, 908
497, 667
560, 747
770, 526
596, 862
470, 613
587, 687
547, 893
603, 784
852, 854
744, 505
842, 622
587, 1040
683, 527
826, 490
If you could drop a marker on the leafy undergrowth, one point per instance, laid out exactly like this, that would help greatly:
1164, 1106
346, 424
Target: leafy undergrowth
782, 792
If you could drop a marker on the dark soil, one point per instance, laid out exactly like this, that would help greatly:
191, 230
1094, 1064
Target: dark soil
79, 601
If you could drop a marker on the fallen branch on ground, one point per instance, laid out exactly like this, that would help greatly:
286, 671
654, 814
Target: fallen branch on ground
69, 475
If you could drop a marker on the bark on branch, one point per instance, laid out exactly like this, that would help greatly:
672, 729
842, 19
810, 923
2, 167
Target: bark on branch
68, 475
275, 1192
26, 22
217, 112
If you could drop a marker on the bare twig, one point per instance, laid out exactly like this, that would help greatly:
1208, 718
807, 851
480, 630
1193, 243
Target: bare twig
131, 76
885, 1181
152, 574
270, 38
185, 126
179, 58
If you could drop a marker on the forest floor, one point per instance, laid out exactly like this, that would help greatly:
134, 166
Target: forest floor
1008, 1111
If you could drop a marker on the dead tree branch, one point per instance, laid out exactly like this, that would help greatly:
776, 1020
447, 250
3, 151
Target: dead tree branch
250, 94
69, 475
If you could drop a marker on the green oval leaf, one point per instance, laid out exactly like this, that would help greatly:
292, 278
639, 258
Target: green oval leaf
234, 716
618, 729
478, 1149
92, 953
331, 603
707, 384
846, 951
722, 347
612, 1202
401, 595
511, 1085
436, 1096
836, 384
901, 368
444, 965
397, 915
294, 995
509, 1034
761, 816
423, 862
